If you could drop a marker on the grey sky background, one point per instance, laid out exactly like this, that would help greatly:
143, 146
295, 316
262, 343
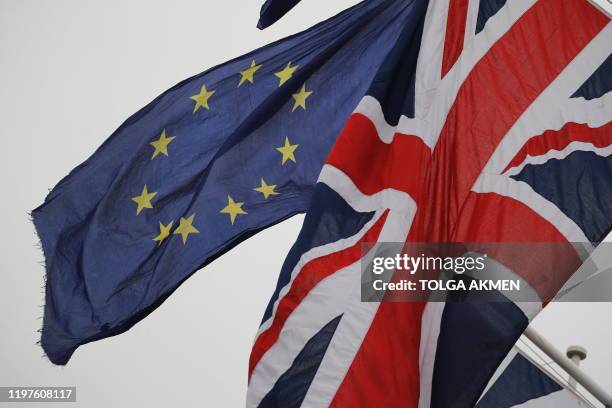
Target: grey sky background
70, 73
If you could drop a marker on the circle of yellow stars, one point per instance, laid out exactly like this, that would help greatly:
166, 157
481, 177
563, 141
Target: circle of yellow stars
233, 209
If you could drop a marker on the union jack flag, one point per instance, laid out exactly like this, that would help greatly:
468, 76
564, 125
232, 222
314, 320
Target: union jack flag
489, 121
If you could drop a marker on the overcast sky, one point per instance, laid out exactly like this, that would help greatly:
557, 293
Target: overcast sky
70, 73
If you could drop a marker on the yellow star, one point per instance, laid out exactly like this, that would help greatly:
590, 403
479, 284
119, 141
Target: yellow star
300, 98
164, 232
266, 190
247, 74
201, 99
143, 200
233, 209
287, 151
186, 227
286, 73
161, 144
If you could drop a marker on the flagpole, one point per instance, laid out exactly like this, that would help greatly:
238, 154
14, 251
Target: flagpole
568, 365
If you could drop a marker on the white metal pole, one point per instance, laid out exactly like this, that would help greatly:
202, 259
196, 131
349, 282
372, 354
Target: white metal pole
568, 365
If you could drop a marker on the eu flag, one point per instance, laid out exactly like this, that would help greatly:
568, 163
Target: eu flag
208, 163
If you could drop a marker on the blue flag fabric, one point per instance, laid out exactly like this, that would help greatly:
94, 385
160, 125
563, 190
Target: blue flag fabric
208, 163
523, 384
273, 10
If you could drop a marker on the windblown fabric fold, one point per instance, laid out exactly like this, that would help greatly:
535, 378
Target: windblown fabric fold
273, 10
207, 164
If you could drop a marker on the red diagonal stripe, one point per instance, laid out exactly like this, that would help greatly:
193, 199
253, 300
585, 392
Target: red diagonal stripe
455, 32
307, 278
559, 139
